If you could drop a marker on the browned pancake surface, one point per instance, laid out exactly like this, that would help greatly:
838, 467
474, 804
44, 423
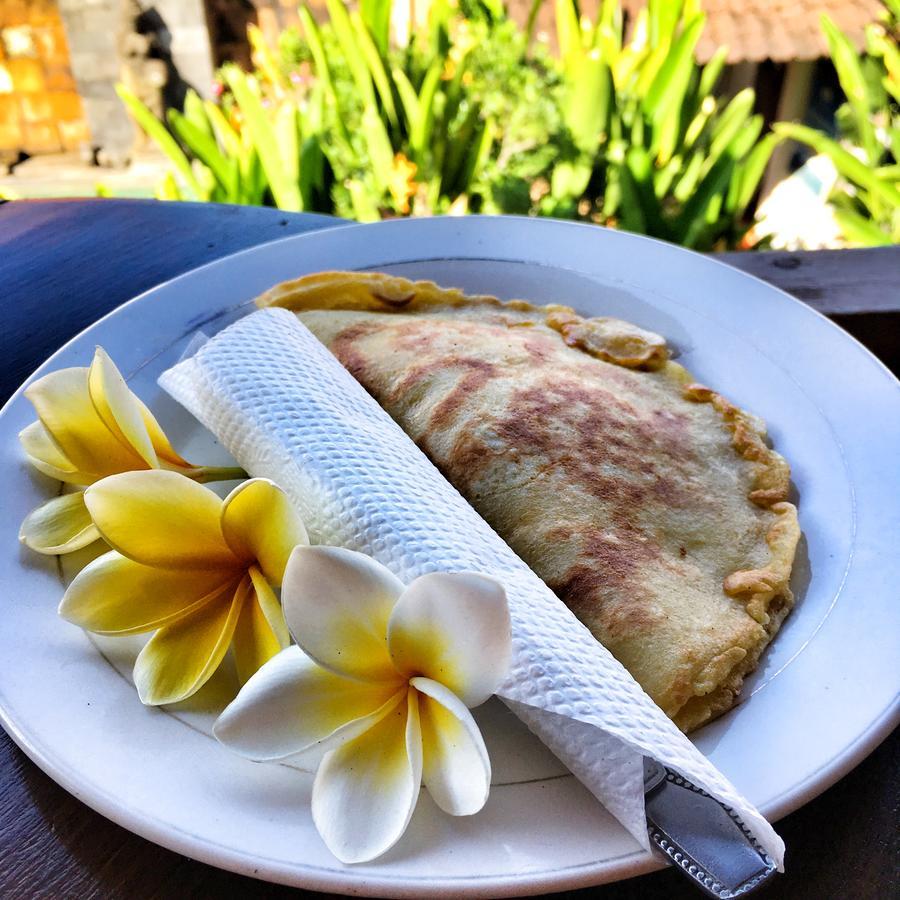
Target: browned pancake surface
650, 505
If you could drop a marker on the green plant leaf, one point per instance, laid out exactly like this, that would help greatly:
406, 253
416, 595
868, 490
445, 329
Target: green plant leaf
168, 189
690, 177
479, 154
496, 9
459, 147
568, 31
861, 231
284, 189
204, 147
158, 132
853, 82
531, 21
740, 146
752, 170
323, 70
376, 14
845, 162
265, 59
698, 123
882, 45
631, 212
638, 170
377, 71
711, 72
312, 171
409, 100
746, 138
664, 177
586, 108
667, 91
195, 112
353, 54
287, 139
378, 144
610, 15
227, 137
730, 123
570, 178
421, 134
365, 206
253, 178
692, 226
664, 17
440, 14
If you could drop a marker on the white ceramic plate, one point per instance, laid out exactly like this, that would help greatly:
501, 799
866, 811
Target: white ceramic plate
826, 692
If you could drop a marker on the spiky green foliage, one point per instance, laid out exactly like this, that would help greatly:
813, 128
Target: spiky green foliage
866, 199
470, 114
650, 147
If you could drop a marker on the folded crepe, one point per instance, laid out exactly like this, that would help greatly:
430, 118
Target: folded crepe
648, 503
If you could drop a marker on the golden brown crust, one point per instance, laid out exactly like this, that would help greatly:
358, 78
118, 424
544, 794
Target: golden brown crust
609, 339
703, 708
758, 588
765, 592
748, 436
599, 581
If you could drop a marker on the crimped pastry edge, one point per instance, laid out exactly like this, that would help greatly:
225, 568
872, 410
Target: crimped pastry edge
765, 593
609, 339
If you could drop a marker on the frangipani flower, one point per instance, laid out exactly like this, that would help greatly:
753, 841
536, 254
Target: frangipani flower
91, 425
381, 682
194, 568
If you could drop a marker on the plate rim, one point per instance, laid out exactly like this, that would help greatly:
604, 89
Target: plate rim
814, 784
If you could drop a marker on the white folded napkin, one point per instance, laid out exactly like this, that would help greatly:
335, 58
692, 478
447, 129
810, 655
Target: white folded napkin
287, 410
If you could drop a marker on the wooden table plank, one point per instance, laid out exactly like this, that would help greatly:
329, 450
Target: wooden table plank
857, 289
832, 281
66, 263
62, 265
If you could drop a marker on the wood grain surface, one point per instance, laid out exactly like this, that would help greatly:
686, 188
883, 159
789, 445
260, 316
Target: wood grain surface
831, 281
63, 264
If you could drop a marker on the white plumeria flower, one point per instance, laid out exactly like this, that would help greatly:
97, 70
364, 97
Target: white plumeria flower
381, 682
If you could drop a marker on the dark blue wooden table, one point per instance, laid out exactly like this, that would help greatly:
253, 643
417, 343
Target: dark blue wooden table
63, 264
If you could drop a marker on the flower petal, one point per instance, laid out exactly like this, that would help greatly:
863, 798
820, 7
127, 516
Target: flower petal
60, 525
117, 406
365, 791
44, 454
115, 595
260, 523
254, 641
453, 628
292, 704
456, 768
180, 658
337, 604
164, 450
64, 406
270, 607
160, 519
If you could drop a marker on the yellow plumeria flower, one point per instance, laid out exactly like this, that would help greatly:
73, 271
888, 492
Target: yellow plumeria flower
194, 568
381, 682
91, 425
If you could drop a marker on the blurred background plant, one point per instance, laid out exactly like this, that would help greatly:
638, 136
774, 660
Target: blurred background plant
472, 113
865, 198
336, 120
649, 147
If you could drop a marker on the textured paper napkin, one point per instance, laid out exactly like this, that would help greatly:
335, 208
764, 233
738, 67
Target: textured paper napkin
287, 410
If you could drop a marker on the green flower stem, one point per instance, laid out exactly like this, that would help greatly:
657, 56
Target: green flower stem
204, 474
